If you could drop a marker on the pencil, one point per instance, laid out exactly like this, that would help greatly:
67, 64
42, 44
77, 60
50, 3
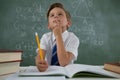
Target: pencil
38, 43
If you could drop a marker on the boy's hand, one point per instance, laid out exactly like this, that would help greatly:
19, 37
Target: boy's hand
42, 65
57, 29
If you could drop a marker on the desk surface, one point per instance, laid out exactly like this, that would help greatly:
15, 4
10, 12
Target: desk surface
5, 77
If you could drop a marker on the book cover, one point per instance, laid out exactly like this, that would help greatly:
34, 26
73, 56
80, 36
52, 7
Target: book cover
4, 50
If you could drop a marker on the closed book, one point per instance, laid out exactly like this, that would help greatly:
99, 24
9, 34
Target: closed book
9, 67
10, 55
114, 67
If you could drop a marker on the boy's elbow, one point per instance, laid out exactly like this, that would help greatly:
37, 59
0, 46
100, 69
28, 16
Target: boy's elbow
63, 64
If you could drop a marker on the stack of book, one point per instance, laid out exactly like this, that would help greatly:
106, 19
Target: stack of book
114, 67
10, 61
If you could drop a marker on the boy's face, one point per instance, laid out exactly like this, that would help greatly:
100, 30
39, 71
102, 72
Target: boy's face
57, 17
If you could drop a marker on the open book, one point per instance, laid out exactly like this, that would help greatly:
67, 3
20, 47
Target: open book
72, 70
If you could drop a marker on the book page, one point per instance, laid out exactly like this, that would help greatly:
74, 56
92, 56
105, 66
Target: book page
74, 68
52, 70
16, 77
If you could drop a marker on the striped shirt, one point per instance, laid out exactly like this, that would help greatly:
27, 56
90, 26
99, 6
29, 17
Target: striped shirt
71, 43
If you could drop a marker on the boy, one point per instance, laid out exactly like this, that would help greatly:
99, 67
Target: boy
59, 20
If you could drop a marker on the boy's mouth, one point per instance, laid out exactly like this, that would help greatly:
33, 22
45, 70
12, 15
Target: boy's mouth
56, 21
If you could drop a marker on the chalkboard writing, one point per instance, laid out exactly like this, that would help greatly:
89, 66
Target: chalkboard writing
95, 22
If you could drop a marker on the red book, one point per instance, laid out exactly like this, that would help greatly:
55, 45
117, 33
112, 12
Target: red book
9, 67
10, 55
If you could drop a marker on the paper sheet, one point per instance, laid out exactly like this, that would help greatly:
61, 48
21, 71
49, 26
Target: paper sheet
16, 77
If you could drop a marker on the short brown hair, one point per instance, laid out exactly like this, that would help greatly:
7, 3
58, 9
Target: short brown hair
59, 5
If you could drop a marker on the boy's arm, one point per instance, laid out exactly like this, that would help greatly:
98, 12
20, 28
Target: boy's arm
64, 57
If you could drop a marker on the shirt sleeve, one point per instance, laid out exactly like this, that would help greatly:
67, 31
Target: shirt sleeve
43, 42
72, 46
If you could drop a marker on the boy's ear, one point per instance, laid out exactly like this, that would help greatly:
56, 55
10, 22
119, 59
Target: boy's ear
69, 23
48, 26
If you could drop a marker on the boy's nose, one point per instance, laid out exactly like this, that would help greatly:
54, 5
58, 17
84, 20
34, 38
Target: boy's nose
56, 16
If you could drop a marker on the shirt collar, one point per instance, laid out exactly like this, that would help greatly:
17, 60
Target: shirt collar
64, 35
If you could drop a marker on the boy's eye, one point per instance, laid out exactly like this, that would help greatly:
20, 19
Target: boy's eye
60, 14
51, 15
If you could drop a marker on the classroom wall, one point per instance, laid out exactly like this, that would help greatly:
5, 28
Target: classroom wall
95, 22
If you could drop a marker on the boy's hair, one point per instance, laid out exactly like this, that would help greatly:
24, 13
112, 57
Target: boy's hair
59, 5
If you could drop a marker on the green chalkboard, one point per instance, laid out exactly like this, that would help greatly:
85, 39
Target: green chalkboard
95, 22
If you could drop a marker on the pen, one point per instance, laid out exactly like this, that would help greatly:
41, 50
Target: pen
38, 43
